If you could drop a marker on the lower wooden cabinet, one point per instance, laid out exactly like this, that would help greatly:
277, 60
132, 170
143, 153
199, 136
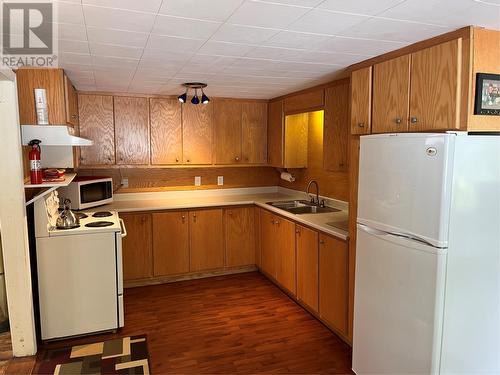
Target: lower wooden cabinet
286, 261
240, 236
307, 266
170, 243
267, 243
206, 237
333, 281
137, 247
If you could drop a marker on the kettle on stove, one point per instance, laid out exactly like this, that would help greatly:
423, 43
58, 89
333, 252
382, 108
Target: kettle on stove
67, 219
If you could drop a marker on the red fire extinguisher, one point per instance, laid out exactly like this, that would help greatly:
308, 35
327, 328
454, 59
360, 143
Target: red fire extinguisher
35, 163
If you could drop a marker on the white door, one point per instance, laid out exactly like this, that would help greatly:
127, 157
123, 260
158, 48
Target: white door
398, 305
404, 184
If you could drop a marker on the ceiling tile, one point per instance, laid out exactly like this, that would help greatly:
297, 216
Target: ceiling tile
150, 6
302, 3
291, 39
118, 19
215, 10
184, 27
75, 69
243, 34
163, 55
325, 22
99, 49
225, 49
71, 32
175, 44
118, 37
86, 87
275, 53
69, 13
114, 62
253, 13
353, 45
73, 46
74, 58
368, 7
485, 15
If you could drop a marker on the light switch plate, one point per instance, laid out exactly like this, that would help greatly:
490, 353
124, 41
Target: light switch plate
220, 180
197, 181
125, 182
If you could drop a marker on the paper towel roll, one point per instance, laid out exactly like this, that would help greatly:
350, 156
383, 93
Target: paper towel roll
287, 177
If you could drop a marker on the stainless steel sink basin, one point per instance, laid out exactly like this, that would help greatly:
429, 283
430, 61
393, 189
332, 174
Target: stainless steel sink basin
299, 207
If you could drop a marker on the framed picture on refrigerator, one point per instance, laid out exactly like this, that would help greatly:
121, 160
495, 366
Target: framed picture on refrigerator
487, 100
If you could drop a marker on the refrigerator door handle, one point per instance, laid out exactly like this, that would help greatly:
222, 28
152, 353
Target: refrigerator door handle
398, 235
373, 231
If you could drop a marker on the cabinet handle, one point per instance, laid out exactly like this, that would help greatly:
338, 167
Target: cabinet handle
297, 231
188, 160
74, 116
361, 124
397, 120
176, 160
194, 218
413, 120
230, 213
237, 158
183, 218
272, 222
278, 222
321, 242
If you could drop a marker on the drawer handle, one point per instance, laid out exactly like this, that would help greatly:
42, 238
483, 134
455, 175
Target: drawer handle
413, 120
398, 120
176, 160
361, 124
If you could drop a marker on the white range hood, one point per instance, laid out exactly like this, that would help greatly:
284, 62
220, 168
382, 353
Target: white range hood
52, 135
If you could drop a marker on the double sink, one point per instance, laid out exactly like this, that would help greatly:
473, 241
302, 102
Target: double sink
299, 207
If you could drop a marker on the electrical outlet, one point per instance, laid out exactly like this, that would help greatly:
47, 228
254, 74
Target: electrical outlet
125, 182
197, 181
220, 180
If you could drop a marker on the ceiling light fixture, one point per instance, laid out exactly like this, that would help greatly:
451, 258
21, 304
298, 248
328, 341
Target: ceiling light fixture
195, 99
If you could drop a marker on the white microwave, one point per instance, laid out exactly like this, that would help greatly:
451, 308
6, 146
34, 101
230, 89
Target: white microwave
86, 192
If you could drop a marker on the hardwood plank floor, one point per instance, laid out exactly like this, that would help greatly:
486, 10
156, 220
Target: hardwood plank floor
229, 324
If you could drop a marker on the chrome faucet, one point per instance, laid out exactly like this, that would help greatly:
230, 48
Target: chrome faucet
316, 202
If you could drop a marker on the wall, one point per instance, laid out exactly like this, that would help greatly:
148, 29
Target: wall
331, 184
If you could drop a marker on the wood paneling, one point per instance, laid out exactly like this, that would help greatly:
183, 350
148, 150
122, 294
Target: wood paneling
206, 240
275, 127
391, 90
296, 140
307, 266
336, 127
435, 87
131, 130
227, 124
304, 102
170, 243
197, 129
254, 132
240, 236
137, 246
166, 131
284, 240
361, 96
71, 102
333, 281
268, 242
97, 124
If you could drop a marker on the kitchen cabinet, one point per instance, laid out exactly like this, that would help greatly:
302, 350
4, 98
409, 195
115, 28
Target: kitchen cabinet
305, 102
239, 236
257, 231
60, 94
254, 132
268, 243
361, 94
166, 131
227, 123
131, 130
206, 240
307, 266
275, 134
391, 90
97, 124
333, 282
137, 252
170, 243
197, 129
336, 128
435, 87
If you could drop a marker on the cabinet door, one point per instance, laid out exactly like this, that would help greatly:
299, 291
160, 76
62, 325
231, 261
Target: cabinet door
227, 114
307, 266
308, 101
170, 243
207, 247
435, 87
254, 132
197, 128
166, 131
71, 101
285, 257
361, 96
97, 124
240, 237
257, 237
336, 128
131, 130
391, 90
137, 247
269, 243
275, 134
333, 281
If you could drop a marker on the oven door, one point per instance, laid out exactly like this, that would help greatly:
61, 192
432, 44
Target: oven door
95, 193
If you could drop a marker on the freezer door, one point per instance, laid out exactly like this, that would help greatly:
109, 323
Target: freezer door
404, 184
398, 305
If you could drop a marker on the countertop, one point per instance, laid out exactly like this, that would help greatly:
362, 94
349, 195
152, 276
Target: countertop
134, 202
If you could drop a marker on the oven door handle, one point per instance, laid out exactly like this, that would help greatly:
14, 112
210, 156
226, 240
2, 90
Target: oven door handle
124, 229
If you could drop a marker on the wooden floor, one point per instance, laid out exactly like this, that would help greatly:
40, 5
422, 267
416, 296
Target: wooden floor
228, 324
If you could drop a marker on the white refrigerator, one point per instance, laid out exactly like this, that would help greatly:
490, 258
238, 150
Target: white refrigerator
427, 284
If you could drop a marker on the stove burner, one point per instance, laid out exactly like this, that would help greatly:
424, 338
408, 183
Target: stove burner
99, 224
81, 215
102, 214
72, 227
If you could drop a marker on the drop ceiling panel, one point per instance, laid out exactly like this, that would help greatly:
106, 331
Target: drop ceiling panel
253, 13
184, 27
118, 37
118, 19
366, 7
218, 10
149, 6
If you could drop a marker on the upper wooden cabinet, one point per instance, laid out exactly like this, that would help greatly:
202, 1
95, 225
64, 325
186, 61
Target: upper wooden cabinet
197, 133
254, 132
60, 93
97, 124
240, 236
166, 131
227, 131
307, 266
137, 246
361, 93
391, 90
206, 234
336, 127
304, 102
435, 87
131, 130
275, 134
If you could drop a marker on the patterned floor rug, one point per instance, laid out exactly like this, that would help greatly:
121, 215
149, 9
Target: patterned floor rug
126, 355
